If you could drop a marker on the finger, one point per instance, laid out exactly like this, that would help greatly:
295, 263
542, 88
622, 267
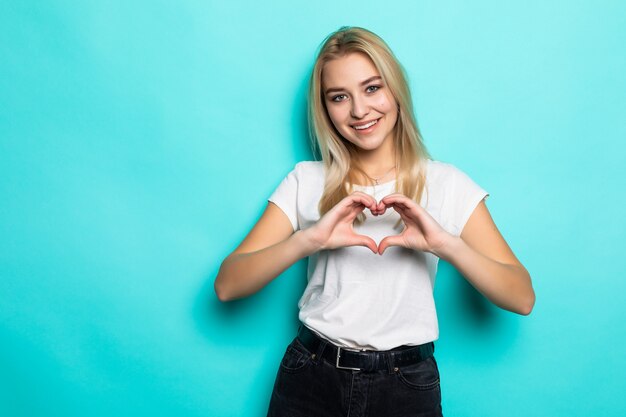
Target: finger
394, 240
360, 202
359, 198
397, 205
368, 242
365, 195
408, 206
350, 207
398, 201
376, 210
403, 213
419, 217
388, 200
354, 211
395, 196
381, 207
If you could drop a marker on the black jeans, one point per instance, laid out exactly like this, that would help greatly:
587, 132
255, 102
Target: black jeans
309, 386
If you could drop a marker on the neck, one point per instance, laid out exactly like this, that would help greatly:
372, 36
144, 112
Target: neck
377, 162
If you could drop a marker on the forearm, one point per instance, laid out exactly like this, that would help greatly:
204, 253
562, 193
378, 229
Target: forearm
507, 286
243, 274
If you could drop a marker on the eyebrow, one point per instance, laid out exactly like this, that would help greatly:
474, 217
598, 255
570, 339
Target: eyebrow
369, 80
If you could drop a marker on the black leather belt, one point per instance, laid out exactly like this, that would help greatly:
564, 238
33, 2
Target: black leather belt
365, 360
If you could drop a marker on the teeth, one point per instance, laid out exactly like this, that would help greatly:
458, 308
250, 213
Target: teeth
366, 126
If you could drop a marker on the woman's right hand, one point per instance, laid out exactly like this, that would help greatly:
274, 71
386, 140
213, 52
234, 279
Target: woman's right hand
335, 229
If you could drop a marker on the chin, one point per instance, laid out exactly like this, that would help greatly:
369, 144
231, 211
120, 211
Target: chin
370, 147
367, 143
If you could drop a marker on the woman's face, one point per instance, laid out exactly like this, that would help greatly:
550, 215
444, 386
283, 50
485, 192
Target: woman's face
361, 108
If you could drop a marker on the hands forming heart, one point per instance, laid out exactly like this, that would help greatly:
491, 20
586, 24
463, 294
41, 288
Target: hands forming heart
335, 228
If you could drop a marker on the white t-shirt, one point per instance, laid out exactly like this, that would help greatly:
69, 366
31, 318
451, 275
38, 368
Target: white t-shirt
356, 298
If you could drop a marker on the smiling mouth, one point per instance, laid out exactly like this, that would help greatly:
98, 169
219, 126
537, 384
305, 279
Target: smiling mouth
365, 125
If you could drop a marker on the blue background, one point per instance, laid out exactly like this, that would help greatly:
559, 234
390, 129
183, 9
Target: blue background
140, 140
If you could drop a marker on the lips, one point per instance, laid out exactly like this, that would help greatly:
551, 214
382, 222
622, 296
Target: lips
365, 125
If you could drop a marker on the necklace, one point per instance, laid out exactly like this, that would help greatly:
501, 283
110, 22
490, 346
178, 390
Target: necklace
379, 178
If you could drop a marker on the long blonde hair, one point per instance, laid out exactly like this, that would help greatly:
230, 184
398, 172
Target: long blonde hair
340, 166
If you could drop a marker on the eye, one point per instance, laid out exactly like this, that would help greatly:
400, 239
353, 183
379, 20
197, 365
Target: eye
372, 88
337, 98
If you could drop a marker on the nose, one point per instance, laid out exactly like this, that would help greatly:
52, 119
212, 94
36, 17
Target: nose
359, 108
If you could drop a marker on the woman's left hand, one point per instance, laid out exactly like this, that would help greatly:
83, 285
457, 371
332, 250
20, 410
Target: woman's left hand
421, 232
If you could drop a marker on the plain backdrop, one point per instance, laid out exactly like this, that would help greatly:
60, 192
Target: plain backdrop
139, 142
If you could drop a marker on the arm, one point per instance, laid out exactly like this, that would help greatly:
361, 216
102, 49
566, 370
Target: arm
484, 258
480, 253
272, 246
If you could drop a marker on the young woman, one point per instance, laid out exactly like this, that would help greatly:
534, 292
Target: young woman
373, 217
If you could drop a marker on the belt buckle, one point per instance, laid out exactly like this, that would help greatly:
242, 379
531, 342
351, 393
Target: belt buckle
339, 355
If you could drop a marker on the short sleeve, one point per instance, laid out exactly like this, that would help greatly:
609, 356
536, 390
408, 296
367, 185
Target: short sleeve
465, 194
285, 196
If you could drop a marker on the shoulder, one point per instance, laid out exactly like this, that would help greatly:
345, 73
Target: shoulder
438, 171
307, 169
310, 165
447, 176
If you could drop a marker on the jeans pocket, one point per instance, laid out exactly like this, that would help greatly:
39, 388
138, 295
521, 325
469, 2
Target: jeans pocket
296, 358
423, 375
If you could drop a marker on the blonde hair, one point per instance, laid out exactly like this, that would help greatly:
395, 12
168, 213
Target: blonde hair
341, 168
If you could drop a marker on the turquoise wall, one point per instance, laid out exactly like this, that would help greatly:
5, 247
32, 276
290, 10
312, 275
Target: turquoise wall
138, 144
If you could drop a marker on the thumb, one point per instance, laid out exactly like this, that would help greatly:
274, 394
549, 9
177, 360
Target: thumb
389, 241
368, 242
